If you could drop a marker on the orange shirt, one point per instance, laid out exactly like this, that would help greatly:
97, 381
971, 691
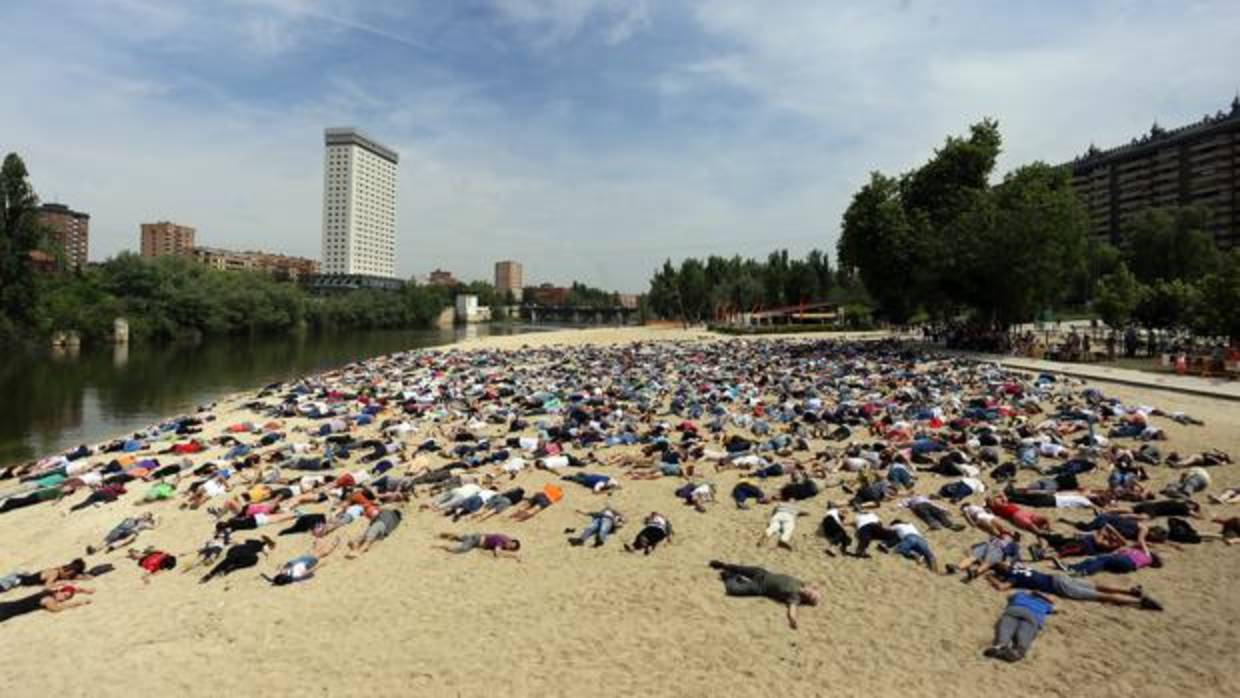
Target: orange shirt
553, 492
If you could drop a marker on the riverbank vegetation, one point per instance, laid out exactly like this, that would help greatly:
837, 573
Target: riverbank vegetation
169, 298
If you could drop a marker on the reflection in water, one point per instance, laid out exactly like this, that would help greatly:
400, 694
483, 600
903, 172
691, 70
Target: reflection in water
57, 399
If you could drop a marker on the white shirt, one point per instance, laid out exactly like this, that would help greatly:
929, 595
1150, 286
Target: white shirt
1072, 501
905, 530
978, 513
974, 484
555, 462
865, 519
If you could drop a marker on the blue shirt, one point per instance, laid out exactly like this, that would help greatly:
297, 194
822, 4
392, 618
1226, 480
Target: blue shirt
1025, 578
1039, 607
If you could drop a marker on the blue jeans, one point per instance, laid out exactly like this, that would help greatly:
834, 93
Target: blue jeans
600, 527
914, 547
1118, 564
901, 477
955, 491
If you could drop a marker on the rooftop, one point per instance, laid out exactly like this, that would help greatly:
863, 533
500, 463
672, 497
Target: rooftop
352, 136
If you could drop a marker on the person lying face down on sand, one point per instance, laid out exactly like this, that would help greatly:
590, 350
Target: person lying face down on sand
303, 567
741, 580
549, 495
54, 599
1020, 518
152, 562
73, 570
1004, 576
697, 494
381, 526
1018, 626
656, 528
602, 523
498, 544
125, 533
782, 524
594, 482
239, 557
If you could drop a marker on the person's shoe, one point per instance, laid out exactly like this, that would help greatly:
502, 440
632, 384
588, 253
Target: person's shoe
91, 550
993, 652
951, 569
1150, 604
1010, 654
715, 564
598, 543
575, 542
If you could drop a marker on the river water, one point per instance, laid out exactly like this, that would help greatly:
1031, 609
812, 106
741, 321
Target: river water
50, 401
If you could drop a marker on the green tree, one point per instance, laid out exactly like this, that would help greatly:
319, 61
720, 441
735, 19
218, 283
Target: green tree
1166, 244
1166, 305
1026, 247
879, 241
1117, 296
1216, 310
20, 234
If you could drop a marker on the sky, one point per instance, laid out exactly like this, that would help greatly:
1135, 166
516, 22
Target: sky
588, 139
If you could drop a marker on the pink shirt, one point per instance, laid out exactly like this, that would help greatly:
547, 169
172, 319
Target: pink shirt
1138, 556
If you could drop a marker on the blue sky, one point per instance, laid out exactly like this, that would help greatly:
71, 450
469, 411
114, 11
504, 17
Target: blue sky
588, 138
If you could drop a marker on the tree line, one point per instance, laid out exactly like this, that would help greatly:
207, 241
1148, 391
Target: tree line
1171, 276
941, 243
698, 291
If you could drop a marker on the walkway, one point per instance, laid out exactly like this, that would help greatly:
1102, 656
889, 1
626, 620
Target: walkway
1194, 385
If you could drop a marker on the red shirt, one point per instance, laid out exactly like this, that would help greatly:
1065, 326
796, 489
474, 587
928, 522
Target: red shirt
154, 562
1006, 510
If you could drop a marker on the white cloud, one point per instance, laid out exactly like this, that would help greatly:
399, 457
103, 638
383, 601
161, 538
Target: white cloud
551, 23
753, 138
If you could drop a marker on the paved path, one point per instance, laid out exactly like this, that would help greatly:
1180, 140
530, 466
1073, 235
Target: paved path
1207, 387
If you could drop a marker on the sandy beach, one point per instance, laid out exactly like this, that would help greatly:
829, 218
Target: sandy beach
410, 620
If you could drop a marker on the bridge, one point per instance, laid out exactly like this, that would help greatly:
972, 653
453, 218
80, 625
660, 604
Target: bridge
616, 315
804, 313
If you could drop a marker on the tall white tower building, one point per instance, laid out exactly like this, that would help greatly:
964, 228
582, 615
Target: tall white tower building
359, 205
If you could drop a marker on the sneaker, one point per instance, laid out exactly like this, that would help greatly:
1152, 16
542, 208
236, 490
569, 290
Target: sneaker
1010, 654
1150, 604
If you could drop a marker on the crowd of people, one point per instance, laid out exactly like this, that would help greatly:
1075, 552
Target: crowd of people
1038, 482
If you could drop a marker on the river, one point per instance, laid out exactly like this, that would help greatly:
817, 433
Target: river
50, 401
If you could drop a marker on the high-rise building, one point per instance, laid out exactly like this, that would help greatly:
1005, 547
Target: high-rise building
164, 239
359, 205
70, 230
509, 276
1193, 165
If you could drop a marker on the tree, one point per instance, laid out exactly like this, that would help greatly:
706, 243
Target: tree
879, 242
1117, 296
1023, 252
1216, 311
20, 234
1166, 244
1166, 305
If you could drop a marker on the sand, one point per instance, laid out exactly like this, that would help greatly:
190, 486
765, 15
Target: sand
410, 620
